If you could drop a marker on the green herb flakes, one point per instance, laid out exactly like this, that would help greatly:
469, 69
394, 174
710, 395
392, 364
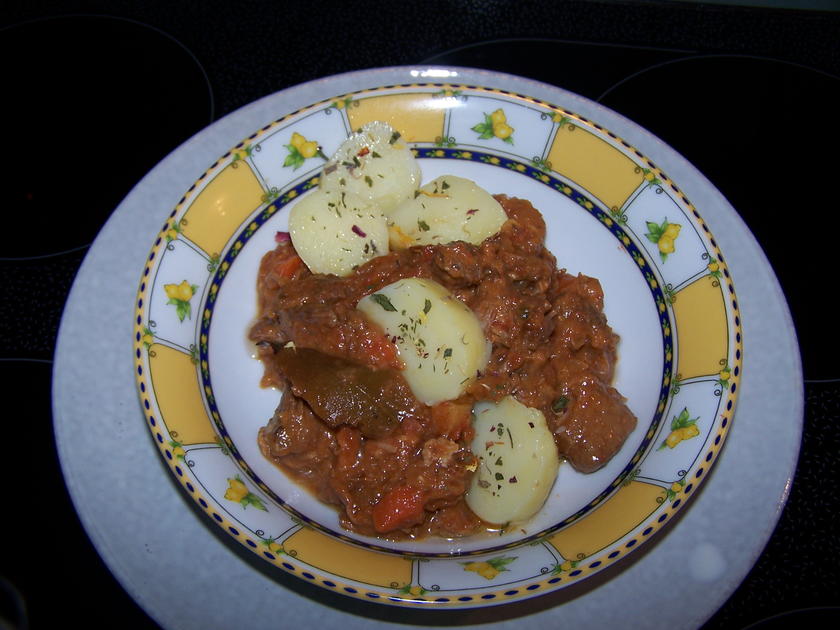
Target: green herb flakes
383, 301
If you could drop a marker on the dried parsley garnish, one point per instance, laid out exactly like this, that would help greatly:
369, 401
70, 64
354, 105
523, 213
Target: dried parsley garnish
383, 301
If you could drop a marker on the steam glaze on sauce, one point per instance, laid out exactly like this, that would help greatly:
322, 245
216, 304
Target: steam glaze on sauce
401, 471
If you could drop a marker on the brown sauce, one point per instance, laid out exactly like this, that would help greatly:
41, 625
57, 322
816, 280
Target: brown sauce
401, 470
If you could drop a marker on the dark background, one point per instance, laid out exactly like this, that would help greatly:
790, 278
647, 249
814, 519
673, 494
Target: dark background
94, 94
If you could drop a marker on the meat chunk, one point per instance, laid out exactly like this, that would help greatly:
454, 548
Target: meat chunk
593, 425
297, 441
335, 329
458, 265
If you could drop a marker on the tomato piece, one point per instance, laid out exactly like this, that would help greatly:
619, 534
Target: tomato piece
400, 508
285, 268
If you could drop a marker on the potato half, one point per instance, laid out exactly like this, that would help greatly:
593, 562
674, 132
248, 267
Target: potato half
518, 461
375, 164
440, 340
446, 209
335, 232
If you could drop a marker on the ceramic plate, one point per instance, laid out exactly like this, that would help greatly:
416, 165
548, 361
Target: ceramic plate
611, 213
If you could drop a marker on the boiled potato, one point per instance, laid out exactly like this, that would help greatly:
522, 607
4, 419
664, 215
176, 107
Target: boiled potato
335, 232
446, 209
375, 164
518, 461
440, 340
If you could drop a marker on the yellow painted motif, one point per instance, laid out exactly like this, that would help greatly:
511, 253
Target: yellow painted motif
176, 389
494, 125
564, 567
173, 232
307, 148
628, 507
674, 489
416, 116
598, 167
663, 235
222, 207
300, 149
238, 492
683, 427
177, 450
182, 292
683, 433
489, 569
348, 561
179, 296
700, 316
412, 590
342, 102
272, 546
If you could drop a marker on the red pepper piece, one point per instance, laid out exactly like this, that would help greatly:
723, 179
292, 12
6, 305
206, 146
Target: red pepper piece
400, 508
286, 267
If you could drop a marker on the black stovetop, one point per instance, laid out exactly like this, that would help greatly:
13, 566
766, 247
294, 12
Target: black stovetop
748, 95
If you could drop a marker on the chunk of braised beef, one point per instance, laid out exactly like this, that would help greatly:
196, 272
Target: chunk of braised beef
304, 445
525, 228
337, 329
592, 425
458, 264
